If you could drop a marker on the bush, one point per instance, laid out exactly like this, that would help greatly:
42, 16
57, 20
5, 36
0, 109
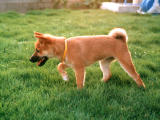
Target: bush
78, 4
59, 3
92, 3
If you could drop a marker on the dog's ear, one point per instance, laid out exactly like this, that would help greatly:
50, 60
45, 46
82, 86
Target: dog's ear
38, 35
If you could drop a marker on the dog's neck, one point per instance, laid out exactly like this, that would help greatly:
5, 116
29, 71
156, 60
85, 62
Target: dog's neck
59, 48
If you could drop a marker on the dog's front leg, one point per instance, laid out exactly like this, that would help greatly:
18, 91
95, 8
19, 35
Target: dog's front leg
61, 68
80, 76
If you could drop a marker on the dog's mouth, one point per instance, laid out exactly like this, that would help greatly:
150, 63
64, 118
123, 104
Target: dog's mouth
42, 61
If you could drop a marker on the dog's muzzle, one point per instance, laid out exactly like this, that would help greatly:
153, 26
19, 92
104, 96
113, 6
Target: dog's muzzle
34, 59
41, 60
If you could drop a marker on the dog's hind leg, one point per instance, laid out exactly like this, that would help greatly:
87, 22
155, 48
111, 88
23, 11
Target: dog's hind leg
61, 68
125, 61
105, 68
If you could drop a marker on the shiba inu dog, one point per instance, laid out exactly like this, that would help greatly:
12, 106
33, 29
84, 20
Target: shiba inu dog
81, 51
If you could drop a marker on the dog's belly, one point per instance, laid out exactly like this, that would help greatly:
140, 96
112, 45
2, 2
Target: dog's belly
87, 60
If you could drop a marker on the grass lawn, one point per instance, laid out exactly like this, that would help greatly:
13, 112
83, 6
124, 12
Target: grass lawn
29, 92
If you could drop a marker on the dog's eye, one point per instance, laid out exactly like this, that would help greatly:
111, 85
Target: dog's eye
37, 50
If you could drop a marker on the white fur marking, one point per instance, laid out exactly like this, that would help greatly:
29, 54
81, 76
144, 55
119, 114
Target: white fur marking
45, 53
67, 63
105, 68
48, 53
65, 78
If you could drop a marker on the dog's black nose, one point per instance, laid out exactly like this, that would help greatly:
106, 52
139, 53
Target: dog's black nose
34, 59
30, 60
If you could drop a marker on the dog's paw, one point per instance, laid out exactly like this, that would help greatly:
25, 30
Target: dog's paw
141, 85
104, 80
65, 78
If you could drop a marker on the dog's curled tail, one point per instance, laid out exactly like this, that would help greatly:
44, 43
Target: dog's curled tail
119, 34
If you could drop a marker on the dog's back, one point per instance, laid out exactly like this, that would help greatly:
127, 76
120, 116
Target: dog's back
93, 48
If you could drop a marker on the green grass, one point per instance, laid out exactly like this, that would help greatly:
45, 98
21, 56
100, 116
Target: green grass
29, 92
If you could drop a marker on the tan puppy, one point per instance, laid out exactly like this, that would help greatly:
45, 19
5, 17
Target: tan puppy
79, 52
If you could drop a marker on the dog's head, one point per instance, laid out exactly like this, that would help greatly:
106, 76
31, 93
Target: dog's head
42, 49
